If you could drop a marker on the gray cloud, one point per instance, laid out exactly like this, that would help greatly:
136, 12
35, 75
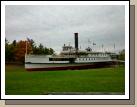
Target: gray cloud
54, 25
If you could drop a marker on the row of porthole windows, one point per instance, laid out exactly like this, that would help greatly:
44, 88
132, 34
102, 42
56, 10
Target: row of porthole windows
87, 59
92, 58
98, 55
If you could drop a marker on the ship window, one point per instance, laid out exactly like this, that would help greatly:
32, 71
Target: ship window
58, 59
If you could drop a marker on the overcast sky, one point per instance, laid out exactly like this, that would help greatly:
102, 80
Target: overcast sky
54, 26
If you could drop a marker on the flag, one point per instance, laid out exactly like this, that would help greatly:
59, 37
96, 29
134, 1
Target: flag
94, 43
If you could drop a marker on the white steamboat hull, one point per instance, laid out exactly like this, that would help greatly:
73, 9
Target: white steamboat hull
62, 66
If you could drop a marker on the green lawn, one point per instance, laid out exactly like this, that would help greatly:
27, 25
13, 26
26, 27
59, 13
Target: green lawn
21, 82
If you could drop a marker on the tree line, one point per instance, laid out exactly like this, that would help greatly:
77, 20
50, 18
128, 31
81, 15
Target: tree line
15, 51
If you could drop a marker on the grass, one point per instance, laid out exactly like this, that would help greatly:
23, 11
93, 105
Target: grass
21, 82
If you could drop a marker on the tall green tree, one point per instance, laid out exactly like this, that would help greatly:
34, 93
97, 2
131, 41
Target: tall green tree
51, 51
14, 43
9, 51
32, 42
15, 51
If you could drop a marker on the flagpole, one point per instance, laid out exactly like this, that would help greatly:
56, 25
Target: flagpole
26, 47
114, 47
102, 47
26, 51
93, 45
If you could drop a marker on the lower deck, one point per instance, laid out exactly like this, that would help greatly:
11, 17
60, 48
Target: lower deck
62, 66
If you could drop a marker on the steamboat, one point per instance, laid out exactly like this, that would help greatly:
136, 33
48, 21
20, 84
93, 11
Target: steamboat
70, 58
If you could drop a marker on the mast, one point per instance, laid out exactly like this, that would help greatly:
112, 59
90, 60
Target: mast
114, 47
26, 51
26, 47
102, 48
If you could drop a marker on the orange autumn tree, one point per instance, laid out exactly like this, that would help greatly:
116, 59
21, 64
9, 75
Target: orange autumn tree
21, 48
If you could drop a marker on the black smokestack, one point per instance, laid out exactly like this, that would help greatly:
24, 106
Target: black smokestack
76, 41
